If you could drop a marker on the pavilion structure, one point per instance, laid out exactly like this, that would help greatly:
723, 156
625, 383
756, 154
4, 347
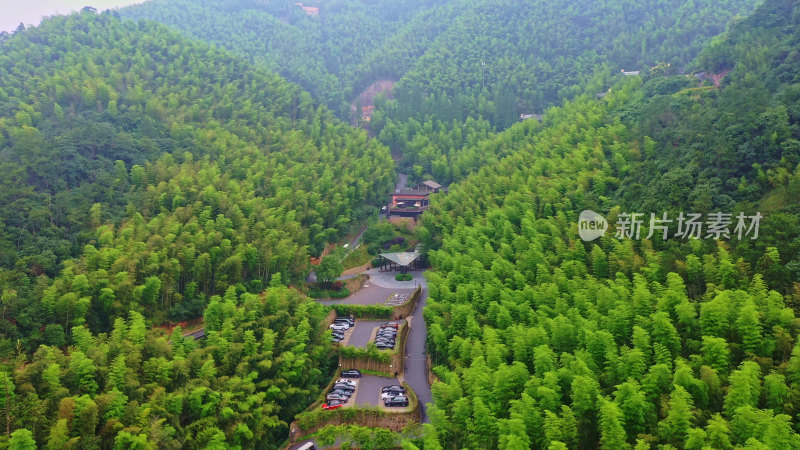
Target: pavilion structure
402, 261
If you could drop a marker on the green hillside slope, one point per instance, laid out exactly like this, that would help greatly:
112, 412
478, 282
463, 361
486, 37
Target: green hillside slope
170, 170
148, 177
543, 340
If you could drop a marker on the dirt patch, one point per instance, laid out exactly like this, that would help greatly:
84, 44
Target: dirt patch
404, 222
355, 284
366, 99
717, 77
367, 96
355, 270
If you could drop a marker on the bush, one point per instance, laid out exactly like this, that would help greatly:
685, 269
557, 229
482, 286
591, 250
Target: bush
341, 293
403, 277
317, 292
364, 311
377, 262
397, 241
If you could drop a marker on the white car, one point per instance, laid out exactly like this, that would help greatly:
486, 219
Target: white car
346, 381
339, 326
391, 394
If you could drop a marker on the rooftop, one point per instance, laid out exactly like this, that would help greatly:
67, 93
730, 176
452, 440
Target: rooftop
431, 184
398, 192
401, 258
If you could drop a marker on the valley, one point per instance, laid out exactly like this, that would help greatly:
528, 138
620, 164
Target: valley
197, 196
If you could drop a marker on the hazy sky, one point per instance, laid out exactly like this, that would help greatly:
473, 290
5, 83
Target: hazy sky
30, 12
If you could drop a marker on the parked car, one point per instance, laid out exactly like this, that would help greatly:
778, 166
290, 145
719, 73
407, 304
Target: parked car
390, 325
394, 393
349, 320
335, 396
332, 405
394, 387
339, 326
346, 388
400, 400
385, 346
342, 322
346, 381
346, 392
352, 373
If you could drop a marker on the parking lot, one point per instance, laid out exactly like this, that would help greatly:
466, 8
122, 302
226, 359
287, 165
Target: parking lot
347, 333
397, 299
369, 389
362, 332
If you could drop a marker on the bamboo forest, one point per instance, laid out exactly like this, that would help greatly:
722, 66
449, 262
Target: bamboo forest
401, 224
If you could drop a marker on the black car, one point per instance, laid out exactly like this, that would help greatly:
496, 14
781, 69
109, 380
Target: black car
352, 373
385, 346
400, 400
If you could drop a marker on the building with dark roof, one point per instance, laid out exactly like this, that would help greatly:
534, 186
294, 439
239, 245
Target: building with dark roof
413, 201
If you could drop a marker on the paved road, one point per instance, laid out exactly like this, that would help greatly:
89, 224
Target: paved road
386, 279
357, 240
370, 294
369, 389
402, 179
362, 332
416, 370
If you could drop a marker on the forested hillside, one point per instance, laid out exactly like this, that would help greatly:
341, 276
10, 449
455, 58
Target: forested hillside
324, 54
148, 177
463, 67
145, 171
501, 59
542, 340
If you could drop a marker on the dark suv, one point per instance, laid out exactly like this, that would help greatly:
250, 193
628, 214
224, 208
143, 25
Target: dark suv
400, 400
352, 373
